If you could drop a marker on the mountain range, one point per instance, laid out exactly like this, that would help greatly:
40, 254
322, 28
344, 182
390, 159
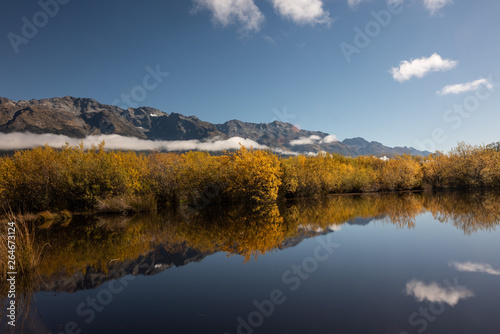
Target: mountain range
82, 117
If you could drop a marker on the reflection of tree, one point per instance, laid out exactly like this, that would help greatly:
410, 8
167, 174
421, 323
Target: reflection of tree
100, 244
469, 212
97, 243
399, 209
248, 231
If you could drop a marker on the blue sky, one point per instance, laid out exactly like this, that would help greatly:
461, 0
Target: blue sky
426, 77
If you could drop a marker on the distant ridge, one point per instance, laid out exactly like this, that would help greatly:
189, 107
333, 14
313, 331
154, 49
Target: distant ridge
82, 117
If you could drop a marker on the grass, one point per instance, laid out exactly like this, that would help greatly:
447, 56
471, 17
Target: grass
28, 258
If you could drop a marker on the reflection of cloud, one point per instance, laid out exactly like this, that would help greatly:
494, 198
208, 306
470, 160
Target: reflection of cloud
434, 293
475, 267
314, 228
334, 227
13, 141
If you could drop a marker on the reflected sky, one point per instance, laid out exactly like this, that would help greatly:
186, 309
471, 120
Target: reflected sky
435, 293
475, 267
205, 271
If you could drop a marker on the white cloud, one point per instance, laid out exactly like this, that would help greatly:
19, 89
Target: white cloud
239, 12
269, 40
311, 140
13, 141
303, 11
475, 267
305, 140
421, 66
434, 5
354, 3
465, 87
395, 2
329, 139
434, 293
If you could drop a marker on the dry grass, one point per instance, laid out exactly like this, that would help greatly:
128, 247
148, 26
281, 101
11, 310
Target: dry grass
127, 204
27, 261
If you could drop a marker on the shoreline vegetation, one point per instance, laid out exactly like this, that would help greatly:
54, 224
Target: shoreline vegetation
75, 179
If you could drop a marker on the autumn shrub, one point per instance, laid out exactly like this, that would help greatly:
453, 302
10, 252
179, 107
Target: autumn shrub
162, 174
198, 171
32, 179
251, 175
76, 178
402, 173
465, 166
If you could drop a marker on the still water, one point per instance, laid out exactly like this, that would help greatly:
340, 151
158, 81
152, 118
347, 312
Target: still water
395, 264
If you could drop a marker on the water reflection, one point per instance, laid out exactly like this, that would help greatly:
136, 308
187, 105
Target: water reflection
435, 293
473, 267
91, 250
147, 244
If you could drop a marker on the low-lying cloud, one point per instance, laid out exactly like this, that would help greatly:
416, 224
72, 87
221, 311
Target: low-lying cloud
435, 293
420, 67
314, 139
14, 141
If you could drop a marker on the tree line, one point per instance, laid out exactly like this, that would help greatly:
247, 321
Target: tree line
79, 179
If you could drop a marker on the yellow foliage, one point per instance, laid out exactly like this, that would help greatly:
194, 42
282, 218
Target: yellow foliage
75, 178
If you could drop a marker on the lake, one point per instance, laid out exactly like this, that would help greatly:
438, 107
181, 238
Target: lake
395, 264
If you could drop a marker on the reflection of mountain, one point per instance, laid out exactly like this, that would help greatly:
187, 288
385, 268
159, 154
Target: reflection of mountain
360, 221
158, 260
151, 263
90, 251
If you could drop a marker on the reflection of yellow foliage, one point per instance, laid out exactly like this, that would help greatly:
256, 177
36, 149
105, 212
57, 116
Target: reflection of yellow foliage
245, 231
249, 231
468, 212
399, 209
